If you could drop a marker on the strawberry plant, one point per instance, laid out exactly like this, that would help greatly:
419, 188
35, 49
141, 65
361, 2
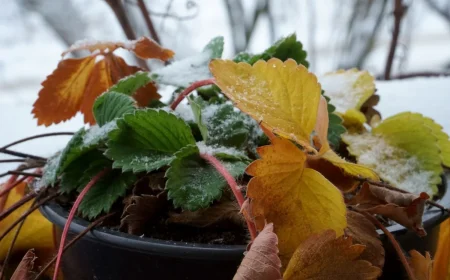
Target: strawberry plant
266, 152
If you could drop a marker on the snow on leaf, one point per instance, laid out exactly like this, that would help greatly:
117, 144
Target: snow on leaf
143, 47
261, 261
299, 201
192, 183
76, 83
184, 72
422, 266
37, 231
147, 140
283, 96
112, 105
348, 89
323, 257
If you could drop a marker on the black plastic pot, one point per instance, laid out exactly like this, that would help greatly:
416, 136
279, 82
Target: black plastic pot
105, 254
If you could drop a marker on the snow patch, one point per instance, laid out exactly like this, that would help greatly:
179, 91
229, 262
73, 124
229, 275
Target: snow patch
393, 164
214, 150
96, 133
339, 88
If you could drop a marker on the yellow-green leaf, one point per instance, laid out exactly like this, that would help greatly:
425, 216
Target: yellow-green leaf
299, 201
283, 96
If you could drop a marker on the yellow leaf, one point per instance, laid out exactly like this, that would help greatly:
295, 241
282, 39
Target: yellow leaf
441, 267
354, 120
409, 132
299, 201
422, 266
283, 96
37, 231
443, 139
348, 89
323, 257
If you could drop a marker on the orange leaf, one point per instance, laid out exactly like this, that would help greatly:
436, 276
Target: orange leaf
441, 267
62, 92
323, 257
261, 261
365, 233
404, 208
422, 266
143, 47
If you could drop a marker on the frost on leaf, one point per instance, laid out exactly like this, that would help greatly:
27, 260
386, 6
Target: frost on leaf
76, 83
323, 256
261, 261
299, 201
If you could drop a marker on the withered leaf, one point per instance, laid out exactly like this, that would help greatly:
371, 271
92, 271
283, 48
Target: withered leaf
261, 261
140, 210
323, 257
365, 233
404, 208
372, 116
218, 212
24, 270
422, 266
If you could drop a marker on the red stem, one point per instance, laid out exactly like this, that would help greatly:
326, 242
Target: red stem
70, 218
189, 89
233, 185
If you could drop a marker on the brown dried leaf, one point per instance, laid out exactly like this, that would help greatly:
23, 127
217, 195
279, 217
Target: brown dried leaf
62, 92
140, 210
372, 115
24, 270
365, 233
219, 212
404, 208
261, 261
422, 266
323, 257
143, 47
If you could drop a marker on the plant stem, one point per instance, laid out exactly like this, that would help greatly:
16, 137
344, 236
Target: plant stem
11, 160
75, 239
28, 212
35, 137
189, 89
393, 241
148, 21
70, 218
233, 185
22, 155
14, 172
399, 11
17, 205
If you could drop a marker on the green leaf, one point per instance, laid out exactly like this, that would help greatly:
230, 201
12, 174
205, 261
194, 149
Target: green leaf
147, 140
197, 104
283, 49
112, 105
132, 83
105, 193
96, 136
192, 183
215, 46
49, 174
82, 170
335, 127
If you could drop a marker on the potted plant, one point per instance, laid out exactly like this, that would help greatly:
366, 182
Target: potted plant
256, 156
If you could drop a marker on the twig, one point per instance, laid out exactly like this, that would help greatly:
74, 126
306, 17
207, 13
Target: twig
189, 89
11, 181
148, 21
13, 172
72, 212
11, 160
393, 241
28, 212
420, 74
17, 205
399, 11
116, 6
233, 186
75, 239
35, 137
11, 246
22, 155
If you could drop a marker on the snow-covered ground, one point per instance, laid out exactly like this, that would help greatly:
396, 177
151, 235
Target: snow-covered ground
29, 51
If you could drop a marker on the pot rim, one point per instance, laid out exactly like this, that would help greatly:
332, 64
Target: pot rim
58, 216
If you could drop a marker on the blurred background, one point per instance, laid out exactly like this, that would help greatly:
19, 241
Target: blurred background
336, 34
